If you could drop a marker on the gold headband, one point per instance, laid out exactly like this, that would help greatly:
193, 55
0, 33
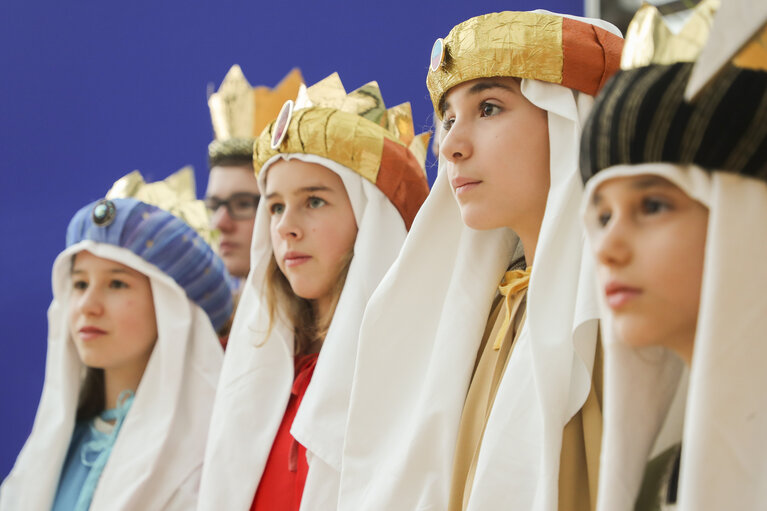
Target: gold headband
239, 112
538, 46
357, 131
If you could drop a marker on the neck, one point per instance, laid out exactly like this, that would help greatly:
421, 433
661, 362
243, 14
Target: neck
683, 349
528, 235
321, 310
529, 242
118, 380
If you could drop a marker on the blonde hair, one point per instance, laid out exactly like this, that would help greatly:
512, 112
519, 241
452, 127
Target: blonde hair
307, 329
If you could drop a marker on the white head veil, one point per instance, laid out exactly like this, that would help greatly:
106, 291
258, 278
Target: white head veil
724, 454
156, 460
258, 371
421, 332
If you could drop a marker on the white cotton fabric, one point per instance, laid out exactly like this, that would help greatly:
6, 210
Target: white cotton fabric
421, 333
724, 446
258, 370
156, 461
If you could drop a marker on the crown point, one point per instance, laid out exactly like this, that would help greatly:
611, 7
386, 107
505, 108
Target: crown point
437, 54
281, 124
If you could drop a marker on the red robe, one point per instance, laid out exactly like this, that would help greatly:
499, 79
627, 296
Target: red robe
282, 482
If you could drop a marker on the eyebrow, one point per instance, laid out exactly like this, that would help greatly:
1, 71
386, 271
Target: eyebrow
479, 87
113, 270
638, 184
650, 181
305, 189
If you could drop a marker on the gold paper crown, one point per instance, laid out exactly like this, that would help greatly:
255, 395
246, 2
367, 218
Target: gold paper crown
357, 131
649, 40
238, 110
365, 105
175, 194
754, 54
530, 45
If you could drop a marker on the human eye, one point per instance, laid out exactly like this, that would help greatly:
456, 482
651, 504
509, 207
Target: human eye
654, 205
315, 202
447, 123
79, 284
276, 208
118, 284
602, 217
488, 109
212, 203
244, 204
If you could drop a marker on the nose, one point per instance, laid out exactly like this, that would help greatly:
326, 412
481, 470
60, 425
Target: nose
456, 143
288, 225
90, 302
613, 244
221, 220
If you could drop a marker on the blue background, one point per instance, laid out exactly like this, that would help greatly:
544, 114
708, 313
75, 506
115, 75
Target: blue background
90, 90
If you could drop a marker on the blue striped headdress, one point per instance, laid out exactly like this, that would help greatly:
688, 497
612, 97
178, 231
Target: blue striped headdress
163, 240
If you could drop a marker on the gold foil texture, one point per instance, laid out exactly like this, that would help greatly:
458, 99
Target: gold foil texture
649, 40
754, 53
347, 128
519, 44
239, 111
175, 194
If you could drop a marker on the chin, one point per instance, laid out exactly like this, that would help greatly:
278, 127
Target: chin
636, 333
479, 219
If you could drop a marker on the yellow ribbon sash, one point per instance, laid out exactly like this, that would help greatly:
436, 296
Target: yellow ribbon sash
512, 283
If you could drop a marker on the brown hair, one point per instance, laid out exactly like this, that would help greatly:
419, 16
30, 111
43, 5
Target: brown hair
92, 395
307, 329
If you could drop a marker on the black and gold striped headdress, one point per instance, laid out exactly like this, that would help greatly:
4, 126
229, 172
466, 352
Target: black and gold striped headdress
641, 116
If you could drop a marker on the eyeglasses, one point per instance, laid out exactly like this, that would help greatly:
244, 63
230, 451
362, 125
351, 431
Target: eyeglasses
240, 206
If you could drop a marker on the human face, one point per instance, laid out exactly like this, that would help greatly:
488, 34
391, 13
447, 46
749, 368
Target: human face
111, 315
312, 227
236, 234
649, 240
496, 143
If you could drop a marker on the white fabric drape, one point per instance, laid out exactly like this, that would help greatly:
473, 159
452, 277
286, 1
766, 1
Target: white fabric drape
422, 329
258, 370
157, 458
724, 448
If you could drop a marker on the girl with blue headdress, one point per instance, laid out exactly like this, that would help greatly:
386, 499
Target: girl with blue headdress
132, 365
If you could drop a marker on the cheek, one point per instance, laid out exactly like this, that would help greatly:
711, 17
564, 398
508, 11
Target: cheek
139, 320
244, 228
274, 235
672, 263
338, 239
72, 314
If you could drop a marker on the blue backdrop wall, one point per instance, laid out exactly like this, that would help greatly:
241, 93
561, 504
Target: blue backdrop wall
91, 90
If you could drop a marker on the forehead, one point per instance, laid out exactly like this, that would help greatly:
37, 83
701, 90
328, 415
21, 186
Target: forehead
86, 261
283, 176
624, 186
467, 90
224, 181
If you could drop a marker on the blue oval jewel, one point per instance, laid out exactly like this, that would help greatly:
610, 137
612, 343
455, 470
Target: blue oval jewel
104, 213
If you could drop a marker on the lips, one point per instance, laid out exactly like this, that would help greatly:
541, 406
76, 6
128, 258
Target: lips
226, 247
618, 294
293, 259
464, 184
88, 333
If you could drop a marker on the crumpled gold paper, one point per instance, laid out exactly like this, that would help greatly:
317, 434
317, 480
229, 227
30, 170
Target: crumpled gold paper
239, 112
649, 40
347, 128
521, 44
